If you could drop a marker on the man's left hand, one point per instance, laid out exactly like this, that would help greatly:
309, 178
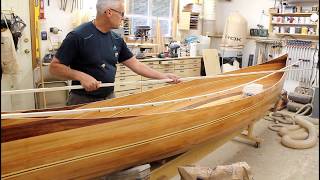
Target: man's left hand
175, 79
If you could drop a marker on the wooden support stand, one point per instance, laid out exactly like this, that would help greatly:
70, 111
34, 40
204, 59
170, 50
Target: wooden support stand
169, 169
248, 135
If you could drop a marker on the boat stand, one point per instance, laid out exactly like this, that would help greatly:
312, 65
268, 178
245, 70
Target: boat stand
248, 135
169, 169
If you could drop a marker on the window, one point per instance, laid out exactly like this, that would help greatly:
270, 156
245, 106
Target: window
146, 12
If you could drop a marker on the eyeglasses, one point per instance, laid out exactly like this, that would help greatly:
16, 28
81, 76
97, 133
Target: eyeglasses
121, 13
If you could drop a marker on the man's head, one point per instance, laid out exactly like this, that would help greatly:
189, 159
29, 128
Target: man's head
112, 11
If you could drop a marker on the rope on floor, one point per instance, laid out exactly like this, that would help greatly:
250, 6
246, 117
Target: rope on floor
298, 130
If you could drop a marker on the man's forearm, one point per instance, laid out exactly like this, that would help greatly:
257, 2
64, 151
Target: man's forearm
64, 72
146, 71
143, 69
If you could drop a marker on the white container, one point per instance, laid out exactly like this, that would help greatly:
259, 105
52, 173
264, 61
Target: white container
300, 20
193, 49
292, 30
307, 20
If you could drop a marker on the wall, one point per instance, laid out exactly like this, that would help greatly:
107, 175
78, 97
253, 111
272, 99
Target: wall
64, 20
251, 11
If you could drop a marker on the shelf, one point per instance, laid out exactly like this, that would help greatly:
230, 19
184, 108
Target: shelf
302, 1
291, 14
292, 24
299, 35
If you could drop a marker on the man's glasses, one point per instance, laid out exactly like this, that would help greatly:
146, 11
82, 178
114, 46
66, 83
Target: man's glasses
121, 13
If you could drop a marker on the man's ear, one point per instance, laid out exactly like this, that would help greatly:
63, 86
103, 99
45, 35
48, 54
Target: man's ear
108, 12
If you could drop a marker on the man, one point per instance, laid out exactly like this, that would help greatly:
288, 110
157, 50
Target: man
89, 54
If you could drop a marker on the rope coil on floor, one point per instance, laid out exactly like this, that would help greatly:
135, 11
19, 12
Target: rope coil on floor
297, 130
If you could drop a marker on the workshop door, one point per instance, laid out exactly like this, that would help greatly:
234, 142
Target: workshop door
24, 78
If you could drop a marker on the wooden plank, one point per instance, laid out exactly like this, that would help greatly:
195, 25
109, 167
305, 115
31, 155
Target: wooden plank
175, 19
211, 62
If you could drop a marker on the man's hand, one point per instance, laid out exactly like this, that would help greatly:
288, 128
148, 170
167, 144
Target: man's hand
64, 72
175, 79
89, 83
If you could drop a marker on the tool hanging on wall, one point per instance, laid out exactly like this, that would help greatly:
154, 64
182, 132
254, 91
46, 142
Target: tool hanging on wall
15, 24
304, 51
76, 4
41, 11
268, 49
63, 5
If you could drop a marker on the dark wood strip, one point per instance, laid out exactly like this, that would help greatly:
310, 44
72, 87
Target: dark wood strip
15, 132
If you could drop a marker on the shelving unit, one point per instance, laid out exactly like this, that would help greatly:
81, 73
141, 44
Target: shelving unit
285, 21
188, 21
291, 14
194, 18
302, 36
289, 24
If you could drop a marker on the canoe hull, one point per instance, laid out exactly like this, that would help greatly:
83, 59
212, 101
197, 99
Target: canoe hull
207, 124
96, 150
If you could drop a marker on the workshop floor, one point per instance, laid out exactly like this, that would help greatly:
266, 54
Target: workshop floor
271, 161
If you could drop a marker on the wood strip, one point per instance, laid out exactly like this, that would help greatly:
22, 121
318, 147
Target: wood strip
37, 128
235, 115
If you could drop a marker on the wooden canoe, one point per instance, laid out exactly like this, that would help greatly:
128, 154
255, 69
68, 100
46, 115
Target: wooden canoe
91, 144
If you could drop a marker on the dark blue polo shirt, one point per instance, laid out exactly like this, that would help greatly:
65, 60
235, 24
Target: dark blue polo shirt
93, 52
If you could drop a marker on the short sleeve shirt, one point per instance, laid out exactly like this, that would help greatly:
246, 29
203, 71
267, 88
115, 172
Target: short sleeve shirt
93, 52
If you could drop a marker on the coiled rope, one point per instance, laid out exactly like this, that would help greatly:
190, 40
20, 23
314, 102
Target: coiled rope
297, 130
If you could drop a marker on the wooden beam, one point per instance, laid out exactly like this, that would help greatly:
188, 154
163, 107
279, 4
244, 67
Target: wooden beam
33, 33
175, 19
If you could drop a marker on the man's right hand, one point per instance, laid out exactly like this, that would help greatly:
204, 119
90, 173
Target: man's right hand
64, 72
89, 83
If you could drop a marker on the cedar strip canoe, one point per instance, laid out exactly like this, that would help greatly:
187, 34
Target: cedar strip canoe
92, 144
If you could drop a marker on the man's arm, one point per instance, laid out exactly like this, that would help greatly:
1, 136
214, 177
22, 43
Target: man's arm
146, 71
66, 73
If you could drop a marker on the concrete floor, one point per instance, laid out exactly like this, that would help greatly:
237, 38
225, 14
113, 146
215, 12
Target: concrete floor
271, 161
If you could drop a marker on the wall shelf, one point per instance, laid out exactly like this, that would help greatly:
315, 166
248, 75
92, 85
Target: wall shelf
291, 14
292, 24
281, 24
302, 1
299, 35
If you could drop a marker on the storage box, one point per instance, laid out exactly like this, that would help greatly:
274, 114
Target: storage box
273, 10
